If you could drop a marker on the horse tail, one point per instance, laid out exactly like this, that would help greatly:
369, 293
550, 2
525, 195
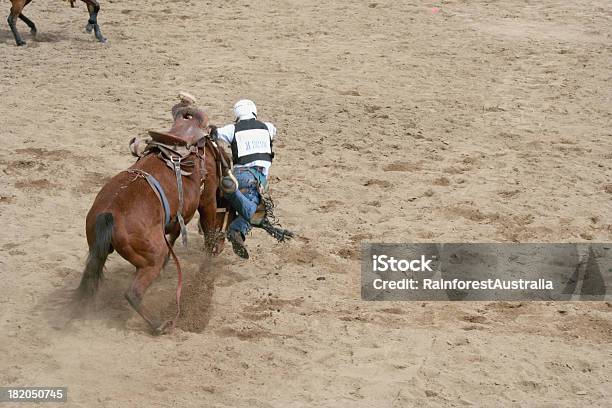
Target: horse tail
97, 255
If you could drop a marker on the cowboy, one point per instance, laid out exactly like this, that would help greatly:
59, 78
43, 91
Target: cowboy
251, 143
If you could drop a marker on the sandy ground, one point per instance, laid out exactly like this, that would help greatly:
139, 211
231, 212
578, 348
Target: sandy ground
487, 121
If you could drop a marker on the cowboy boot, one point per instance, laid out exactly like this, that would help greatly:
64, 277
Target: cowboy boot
237, 240
229, 184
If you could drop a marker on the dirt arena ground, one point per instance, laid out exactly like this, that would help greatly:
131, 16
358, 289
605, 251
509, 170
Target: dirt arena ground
486, 121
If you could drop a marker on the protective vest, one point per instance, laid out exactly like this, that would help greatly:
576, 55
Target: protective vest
251, 142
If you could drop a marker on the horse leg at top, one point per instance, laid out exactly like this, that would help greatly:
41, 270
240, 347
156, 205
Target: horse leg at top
16, 8
29, 22
94, 7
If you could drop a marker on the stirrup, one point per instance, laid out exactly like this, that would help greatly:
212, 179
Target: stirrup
229, 184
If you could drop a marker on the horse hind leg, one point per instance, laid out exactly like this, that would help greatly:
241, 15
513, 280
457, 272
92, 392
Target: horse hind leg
135, 293
92, 25
16, 8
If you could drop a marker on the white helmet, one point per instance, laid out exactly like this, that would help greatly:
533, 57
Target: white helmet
245, 109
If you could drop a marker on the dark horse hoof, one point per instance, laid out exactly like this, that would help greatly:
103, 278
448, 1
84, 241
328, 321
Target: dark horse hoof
89, 28
99, 35
20, 43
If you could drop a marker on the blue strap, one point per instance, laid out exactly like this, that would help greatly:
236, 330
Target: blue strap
160, 191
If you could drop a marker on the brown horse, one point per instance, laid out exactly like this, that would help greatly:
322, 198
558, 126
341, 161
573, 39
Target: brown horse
16, 12
130, 217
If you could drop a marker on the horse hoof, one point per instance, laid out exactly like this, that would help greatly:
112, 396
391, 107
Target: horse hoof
21, 43
89, 28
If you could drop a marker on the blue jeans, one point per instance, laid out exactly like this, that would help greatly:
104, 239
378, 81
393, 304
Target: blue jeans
245, 203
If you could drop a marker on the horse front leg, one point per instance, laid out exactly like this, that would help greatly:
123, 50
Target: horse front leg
94, 7
16, 8
213, 238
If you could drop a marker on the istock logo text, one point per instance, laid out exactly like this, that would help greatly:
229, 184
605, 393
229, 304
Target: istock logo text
383, 263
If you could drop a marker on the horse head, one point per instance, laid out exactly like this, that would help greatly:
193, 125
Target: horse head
187, 129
